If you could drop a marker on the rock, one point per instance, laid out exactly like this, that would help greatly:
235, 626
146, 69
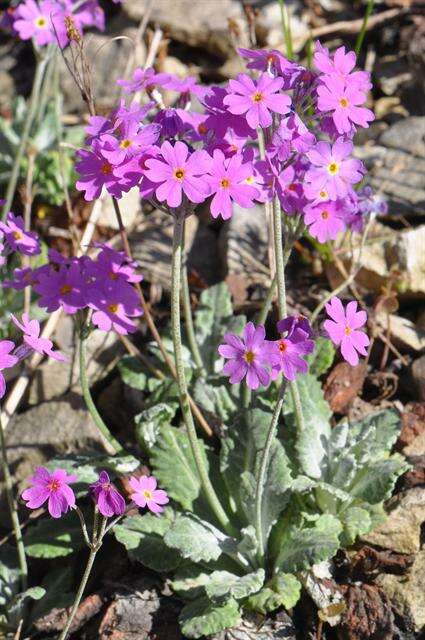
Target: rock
343, 384
130, 207
52, 428
108, 58
269, 25
406, 135
401, 531
244, 244
368, 616
193, 23
417, 371
256, 628
407, 592
385, 251
412, 426
392, 73
403, 332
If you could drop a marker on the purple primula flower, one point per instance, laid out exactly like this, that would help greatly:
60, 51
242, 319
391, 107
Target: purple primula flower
170, 121
341, 66
114, 305
34, 20
257, 99
97, 172
53, 488
345, 102
61, 288
227, 180
31, 331
291, 136
142, 79
288, 351
290, 190
343, 329
7, 360
145, 494
248, 357
325, 220
108, 500
25, 277
25, 242
179, 172
332, 169
132, 139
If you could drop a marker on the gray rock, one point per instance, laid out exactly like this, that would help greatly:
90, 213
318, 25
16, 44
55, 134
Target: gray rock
417, 371
407, 592
256, 628
406, 135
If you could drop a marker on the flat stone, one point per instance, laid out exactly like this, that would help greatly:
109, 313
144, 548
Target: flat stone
407, 592
417, 371
406, 135
130, 207
401, 532
403, 332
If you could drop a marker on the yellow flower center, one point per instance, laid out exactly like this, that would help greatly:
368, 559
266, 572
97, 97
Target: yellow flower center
179, 174
147, 494
282, 346
40, 22
225, 183
106, 168
17, 235
323, 194
347, 330
344, 102
54, 485
325, 215
257, 97
113, 308
333, 168
125, 144
65, 289
249, 180
249, 357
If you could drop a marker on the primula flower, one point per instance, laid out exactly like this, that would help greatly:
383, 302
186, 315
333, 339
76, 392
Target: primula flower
341, 66
345, 102
227, 180
145, 494
178, 173
248, 356
62, 288
142, 79
7, 360
257, 99
31, 337
53, 488
343, 329
96, 172
325, 220
333, 171
288, 351
25, 242
108, 500
34, 20
113, 306
132, 140
23, 278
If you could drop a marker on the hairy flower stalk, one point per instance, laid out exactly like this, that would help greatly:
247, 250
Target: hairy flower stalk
178, 244
89, 400
190, 331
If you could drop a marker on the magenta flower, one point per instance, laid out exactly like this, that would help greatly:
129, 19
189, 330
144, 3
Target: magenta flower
53, 488
108, 500
178, 173
343, 329
63, 287
288, 351
31, 331
325, 220
341, 66
25, 242
344, 101
96, 172
227, 178
332, 170
132, 140
248, 357
24, 277
257, 99
34, 20
7, 360
114, 305
142, 79
145, 494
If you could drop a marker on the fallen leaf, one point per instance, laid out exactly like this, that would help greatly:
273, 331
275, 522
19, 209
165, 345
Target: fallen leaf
343, 384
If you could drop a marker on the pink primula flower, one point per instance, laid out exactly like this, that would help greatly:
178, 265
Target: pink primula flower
325, 220
257, 99
333, 170
145, 494
7, 360
51, 488
247, 357
343, 329
108, 500
31, 331
18, 238
34, 20
344, 101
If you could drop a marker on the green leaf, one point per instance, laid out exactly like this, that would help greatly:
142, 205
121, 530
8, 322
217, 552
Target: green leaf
150, 421
133, 373
50, 538
58, 585
213, 318
310, 443
375, 482
356, 522
224, 583
215, 398
9, 574
203, 618
143, 537
196, 539
283, 591
15, 609
189, 581
322, 357
303, 545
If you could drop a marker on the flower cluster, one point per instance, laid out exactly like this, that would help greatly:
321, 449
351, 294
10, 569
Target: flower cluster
103, 285
259, 360
53, 488
50, 21
180, 158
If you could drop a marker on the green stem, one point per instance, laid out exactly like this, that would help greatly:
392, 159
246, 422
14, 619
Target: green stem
362, 33
32, 110
89, 400
286, 28
264, 464
93, 551
190, 331
178, 242
13, 509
